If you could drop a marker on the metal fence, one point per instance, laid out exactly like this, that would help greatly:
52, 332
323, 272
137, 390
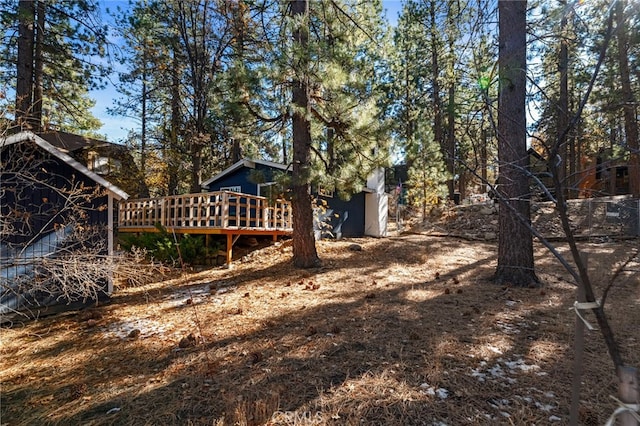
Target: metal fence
605, 217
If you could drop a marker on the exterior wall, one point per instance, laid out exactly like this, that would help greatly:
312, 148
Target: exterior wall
346, 218
376, 205
376, 214
36, 209
339, 218
33, 204
245, 177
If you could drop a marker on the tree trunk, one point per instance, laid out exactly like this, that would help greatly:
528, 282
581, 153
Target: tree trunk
173, 162
438, 131
630, 123
24, 84
563, 105
515, 245
483, 156
240, 20
451, 141
196, 164
143, 124
304, 245
38, 71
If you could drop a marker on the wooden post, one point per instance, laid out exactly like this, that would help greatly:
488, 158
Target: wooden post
162, 212
629, 393
229, 248
578, 345
110, 243
225, 209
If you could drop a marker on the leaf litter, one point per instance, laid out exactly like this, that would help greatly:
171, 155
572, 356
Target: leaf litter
396, 333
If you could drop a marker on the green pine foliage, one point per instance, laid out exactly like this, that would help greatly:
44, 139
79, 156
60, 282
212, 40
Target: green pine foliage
74, 50
427, 175
348, 50
168, 248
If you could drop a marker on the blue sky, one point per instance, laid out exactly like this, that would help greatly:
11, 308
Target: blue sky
117, 128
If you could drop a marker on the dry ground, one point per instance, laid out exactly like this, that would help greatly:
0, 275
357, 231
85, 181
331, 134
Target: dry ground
408, 330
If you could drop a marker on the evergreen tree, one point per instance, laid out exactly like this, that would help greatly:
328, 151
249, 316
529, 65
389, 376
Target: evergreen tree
630, 108
515, 245
178, 53
54, 61
416, 103
304, 249
443, 85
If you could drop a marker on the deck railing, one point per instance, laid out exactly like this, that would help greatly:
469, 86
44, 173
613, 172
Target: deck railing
207, 210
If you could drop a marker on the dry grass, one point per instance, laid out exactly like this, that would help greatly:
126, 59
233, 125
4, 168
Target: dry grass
408, 331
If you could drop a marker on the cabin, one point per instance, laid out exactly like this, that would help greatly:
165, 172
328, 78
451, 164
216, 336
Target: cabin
604, 175
542, 176
51, 206
254, 177
365, 213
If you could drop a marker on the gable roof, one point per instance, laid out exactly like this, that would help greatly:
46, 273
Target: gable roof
56, 152
245, 162
69, 142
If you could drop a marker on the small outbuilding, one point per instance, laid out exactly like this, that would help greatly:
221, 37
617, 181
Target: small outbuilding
51, 207
365, 213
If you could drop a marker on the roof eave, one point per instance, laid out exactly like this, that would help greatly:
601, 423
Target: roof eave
118, 193
245, 162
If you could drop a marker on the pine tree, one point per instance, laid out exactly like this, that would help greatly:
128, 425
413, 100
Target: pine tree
58, 54
178, 55
415, 107
318, 85
515, 245
304, 249
630, 108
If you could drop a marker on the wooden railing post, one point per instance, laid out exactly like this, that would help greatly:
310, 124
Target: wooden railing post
222, 209
225, 209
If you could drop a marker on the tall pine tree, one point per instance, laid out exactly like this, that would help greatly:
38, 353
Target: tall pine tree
53, 59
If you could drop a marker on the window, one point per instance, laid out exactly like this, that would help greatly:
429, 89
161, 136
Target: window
326, 192
101, 165
236, 188
265, 189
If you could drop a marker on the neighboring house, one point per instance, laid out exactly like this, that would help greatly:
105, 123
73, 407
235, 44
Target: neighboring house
599, 176
47, 199
364, 214
604, 175
255, 177
540, 169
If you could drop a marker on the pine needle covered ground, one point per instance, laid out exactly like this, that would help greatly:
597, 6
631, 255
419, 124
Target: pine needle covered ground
406, 330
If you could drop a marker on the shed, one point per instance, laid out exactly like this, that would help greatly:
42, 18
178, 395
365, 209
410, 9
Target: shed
365, 213
47, 198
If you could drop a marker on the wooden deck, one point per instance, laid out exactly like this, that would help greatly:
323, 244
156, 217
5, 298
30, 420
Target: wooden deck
223, 213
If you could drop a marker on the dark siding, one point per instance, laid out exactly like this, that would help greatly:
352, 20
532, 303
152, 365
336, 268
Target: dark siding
350, 215
245, 177
240, 178
32, 205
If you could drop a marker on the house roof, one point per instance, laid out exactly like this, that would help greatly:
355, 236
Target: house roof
63, 156
245, 162
68, 142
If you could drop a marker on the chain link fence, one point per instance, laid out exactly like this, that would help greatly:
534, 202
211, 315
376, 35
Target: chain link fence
594, 217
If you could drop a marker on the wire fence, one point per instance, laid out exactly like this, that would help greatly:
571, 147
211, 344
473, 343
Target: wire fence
605, 217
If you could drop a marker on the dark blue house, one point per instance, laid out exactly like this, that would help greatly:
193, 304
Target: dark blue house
47, 199
365, 213
255, 177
